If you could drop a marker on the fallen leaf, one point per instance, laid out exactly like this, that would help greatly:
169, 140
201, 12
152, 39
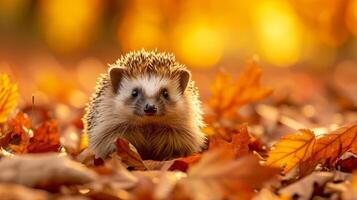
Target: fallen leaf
17, 135
331, 146
44, 171
238, 144
348, 164
219, 175
179, 164
306, 151
8, 97
292, 149
129, 155
19, 192
229, 95
304, 188
45, 138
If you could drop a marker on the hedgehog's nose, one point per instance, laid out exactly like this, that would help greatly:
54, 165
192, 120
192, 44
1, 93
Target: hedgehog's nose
150, 109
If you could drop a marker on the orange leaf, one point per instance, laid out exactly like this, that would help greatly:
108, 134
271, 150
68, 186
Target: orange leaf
18, 134
306, 151
292, 149
228, 95
129, 154
183, 164
331, 146
45, 138
8, 97
218, 174
239, 143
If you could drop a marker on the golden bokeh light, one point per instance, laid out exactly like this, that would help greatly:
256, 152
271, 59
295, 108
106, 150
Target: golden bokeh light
69, 25
199, 44
140, 31
278, 32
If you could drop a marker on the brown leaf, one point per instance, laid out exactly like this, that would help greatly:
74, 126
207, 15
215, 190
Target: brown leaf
44, 171
128, 154
8, 97
304, 188
219, 175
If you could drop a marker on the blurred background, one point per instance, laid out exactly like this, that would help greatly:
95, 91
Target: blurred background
55, 49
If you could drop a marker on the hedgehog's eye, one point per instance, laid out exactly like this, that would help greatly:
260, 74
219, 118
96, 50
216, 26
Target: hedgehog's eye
135, 92
165, 93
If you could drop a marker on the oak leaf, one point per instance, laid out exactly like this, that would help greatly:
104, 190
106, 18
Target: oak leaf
8, 97
305, 150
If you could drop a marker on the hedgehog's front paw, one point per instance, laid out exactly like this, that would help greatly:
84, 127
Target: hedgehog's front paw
103, 151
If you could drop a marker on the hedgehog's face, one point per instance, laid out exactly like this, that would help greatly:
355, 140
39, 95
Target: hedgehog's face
151, 98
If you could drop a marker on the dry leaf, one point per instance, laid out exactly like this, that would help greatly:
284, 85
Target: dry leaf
19, 192
44, 171
128, 154
18, 134
218, 175
304, 188
45, 138
292, 149
306, 151
8, 97
239, 143
228, 95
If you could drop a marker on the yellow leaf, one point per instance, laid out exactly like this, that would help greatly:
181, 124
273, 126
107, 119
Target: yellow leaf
8, 97
292, 149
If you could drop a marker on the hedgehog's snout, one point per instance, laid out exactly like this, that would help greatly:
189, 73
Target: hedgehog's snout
150, 109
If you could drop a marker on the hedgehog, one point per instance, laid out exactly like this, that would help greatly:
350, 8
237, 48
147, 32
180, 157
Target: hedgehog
148, 99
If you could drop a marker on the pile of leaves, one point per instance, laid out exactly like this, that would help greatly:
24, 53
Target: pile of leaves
45, 160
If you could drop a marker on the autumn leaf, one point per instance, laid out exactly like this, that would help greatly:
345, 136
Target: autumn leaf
238, 144
292, 149
229, 95
44, 171
8, 97
306, 151
19, 192
129, 154
45, 138
218, 174
17, 134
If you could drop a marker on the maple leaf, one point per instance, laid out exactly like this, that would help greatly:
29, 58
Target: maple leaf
238, 144
8, 97
305, 150
128, 154
229, 95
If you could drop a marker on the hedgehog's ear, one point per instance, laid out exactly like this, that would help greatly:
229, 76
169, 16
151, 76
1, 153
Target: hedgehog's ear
184, 79
116, 74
